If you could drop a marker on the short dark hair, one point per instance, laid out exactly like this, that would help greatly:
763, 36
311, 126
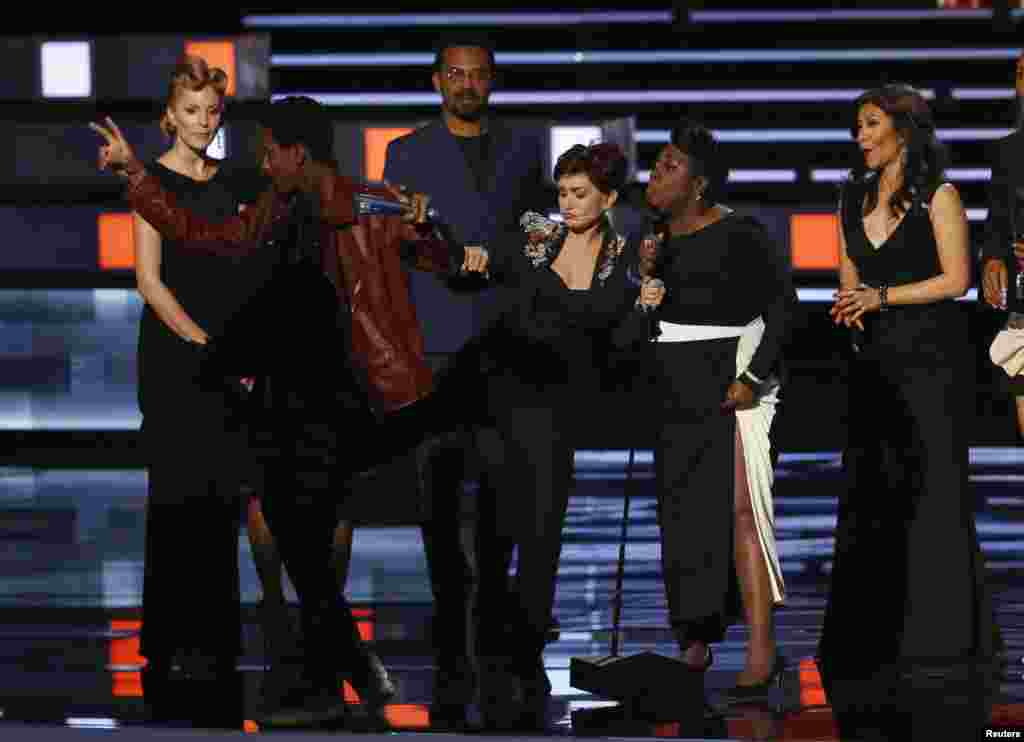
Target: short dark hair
301, 120
698, 143
463, 42
603, 163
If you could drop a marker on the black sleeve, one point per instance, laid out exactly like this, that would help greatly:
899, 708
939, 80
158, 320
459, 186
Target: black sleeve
998, 233
779, 302
634, 325
508, 262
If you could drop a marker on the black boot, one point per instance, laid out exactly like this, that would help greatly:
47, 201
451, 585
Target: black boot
536, 689
194, 691
454, 686
372, 683
501, 694
282, 652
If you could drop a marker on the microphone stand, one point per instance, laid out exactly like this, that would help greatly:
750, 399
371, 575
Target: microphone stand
620, 574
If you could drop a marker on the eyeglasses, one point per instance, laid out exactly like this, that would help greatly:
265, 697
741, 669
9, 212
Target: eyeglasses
461, 74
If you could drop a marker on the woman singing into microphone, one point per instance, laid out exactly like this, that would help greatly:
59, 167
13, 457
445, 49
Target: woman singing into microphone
723, 314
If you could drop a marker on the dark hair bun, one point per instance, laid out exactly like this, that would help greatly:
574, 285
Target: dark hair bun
603, 163
609, 165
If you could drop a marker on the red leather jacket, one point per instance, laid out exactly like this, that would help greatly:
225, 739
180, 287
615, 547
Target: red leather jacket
361, 255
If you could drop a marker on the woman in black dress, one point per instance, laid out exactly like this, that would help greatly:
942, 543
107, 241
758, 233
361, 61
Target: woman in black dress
565, 290
191, 630
908, 595
727, 290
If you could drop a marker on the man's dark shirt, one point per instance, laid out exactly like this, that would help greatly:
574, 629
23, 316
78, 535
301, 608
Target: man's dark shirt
477, 151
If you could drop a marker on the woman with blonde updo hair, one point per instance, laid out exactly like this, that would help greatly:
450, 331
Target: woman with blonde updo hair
191, 632
191, 74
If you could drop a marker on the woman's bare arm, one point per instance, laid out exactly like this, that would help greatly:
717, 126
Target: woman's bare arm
148, 250
949, 225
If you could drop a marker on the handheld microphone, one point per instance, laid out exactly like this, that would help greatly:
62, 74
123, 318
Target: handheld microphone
368, 204
656, 283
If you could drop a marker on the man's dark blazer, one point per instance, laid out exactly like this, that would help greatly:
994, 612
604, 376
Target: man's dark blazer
1006, 206
430, 160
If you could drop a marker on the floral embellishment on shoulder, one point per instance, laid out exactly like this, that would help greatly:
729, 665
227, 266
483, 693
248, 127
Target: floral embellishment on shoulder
542, 235
609, 256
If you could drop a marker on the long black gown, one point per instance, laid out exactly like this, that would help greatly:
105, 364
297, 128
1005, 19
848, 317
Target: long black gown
908, 595
193, 445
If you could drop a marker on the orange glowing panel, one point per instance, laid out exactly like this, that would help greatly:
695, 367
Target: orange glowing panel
814, 241
349, 693
124, 652
407, 716
116, 241
126, 684
217, 54
364, 623
250, 727
811, 691
375, 149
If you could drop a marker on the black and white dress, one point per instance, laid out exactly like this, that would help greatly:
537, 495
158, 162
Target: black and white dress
727, 309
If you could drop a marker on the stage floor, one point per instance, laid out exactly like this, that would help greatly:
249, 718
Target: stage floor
70, 587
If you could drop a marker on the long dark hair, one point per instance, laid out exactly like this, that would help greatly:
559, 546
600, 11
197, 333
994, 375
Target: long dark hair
926, 157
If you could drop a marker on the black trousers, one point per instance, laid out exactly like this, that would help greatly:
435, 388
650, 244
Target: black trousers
533, 460
907, 551
462, 551
465, 557
312, 419
191, 540
522, 451
694, 458
191, 617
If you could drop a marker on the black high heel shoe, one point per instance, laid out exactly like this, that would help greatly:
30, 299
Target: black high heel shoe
764, 687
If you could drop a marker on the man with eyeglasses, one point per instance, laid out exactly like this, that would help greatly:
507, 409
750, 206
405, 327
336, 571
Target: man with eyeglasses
482, 173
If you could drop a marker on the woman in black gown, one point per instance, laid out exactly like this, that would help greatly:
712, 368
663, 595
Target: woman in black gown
191, 630
565, 290
908, 595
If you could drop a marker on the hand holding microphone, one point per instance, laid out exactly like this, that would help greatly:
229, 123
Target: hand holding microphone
415, 206
652, 293
652, 290
476, 260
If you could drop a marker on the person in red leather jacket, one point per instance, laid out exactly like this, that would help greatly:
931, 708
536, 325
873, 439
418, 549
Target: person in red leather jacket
341, 351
